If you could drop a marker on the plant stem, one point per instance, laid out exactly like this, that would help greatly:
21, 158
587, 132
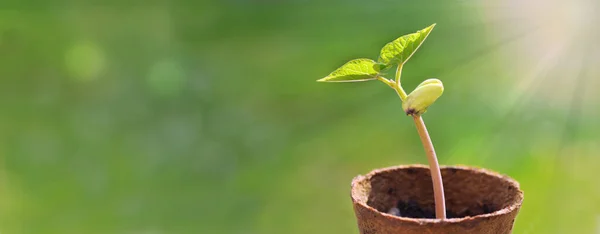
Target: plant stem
398, 88
387, 82
434, 167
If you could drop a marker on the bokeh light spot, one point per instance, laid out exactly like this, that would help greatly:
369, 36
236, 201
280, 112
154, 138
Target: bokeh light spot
166, 77
84, 61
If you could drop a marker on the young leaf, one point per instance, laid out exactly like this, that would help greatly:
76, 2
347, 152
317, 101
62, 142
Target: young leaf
354, 71
423, 96
401, 49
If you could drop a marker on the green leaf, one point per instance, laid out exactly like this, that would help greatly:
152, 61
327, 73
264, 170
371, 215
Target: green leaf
354, 71
423, 96
401, 49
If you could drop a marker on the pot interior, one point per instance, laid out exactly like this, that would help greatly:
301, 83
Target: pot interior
468, 192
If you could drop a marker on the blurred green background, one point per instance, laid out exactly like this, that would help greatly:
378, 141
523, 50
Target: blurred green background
205, 117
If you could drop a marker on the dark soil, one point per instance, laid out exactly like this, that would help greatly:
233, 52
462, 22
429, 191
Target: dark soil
411, 209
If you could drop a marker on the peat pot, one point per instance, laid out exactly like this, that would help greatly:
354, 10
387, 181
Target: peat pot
400, 200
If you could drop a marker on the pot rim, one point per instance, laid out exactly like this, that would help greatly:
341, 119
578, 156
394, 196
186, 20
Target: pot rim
506, 210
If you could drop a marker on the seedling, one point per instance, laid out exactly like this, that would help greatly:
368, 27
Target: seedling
396, 54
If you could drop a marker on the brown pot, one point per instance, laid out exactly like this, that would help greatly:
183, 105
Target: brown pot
477, 201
